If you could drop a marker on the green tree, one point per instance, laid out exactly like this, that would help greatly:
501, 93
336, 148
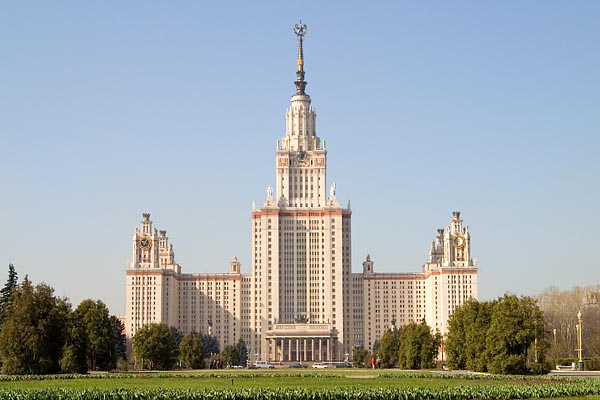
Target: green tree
467, 331
503, 336
515, 325
376, 346
177, 335
210, 345
34, 333
118, 329
154, 347
231, 355
456, 344
243, 352
389, 348
359, 355
7, 292
478, 320
99, 333
190, 351
418, 346
74, 356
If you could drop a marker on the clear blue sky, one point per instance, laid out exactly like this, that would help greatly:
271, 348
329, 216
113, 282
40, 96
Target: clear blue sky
111, 109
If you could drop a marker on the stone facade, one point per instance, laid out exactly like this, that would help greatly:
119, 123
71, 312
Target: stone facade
301, 301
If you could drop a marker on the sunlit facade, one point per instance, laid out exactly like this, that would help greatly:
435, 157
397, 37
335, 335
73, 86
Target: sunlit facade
301, 301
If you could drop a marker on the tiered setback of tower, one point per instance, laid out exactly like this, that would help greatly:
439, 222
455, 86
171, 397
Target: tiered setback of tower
301, 301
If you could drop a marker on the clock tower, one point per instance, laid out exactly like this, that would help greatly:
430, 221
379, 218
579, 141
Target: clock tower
457, 243
151, 283
145, 250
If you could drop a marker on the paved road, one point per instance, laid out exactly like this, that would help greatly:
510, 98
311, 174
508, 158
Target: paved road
593, 374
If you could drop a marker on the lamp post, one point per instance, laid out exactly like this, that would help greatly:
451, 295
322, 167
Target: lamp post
579, 344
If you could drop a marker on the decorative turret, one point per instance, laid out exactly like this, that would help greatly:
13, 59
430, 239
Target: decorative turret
451, 246
234, 266
457, 243
368, 265
151, 248
436, 251
145, 249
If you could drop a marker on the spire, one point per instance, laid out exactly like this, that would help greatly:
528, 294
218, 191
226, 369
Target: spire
300, 30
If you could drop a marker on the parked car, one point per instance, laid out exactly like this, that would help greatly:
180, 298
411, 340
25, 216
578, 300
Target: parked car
343, 365
297, 365
319, 365
265, 364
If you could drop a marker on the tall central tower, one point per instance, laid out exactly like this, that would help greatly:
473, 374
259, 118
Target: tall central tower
301, 157
301, 245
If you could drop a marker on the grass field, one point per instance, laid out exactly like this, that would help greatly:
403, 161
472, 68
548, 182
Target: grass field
244, 379
294, 384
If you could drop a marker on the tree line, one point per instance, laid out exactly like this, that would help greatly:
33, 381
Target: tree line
514, 335
40, 333
158, 346
503, 336
412, 346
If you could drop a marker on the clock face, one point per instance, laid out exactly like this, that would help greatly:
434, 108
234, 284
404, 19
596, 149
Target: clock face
301, 155
145, 242
458, 241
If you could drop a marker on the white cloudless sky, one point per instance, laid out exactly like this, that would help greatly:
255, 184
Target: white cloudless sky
111, 109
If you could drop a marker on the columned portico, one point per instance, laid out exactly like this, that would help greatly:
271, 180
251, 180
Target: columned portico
302, 343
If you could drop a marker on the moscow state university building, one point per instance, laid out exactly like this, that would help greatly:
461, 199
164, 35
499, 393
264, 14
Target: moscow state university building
301, 301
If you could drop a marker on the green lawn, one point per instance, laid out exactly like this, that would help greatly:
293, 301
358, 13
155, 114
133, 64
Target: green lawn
235, 380
297, 384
